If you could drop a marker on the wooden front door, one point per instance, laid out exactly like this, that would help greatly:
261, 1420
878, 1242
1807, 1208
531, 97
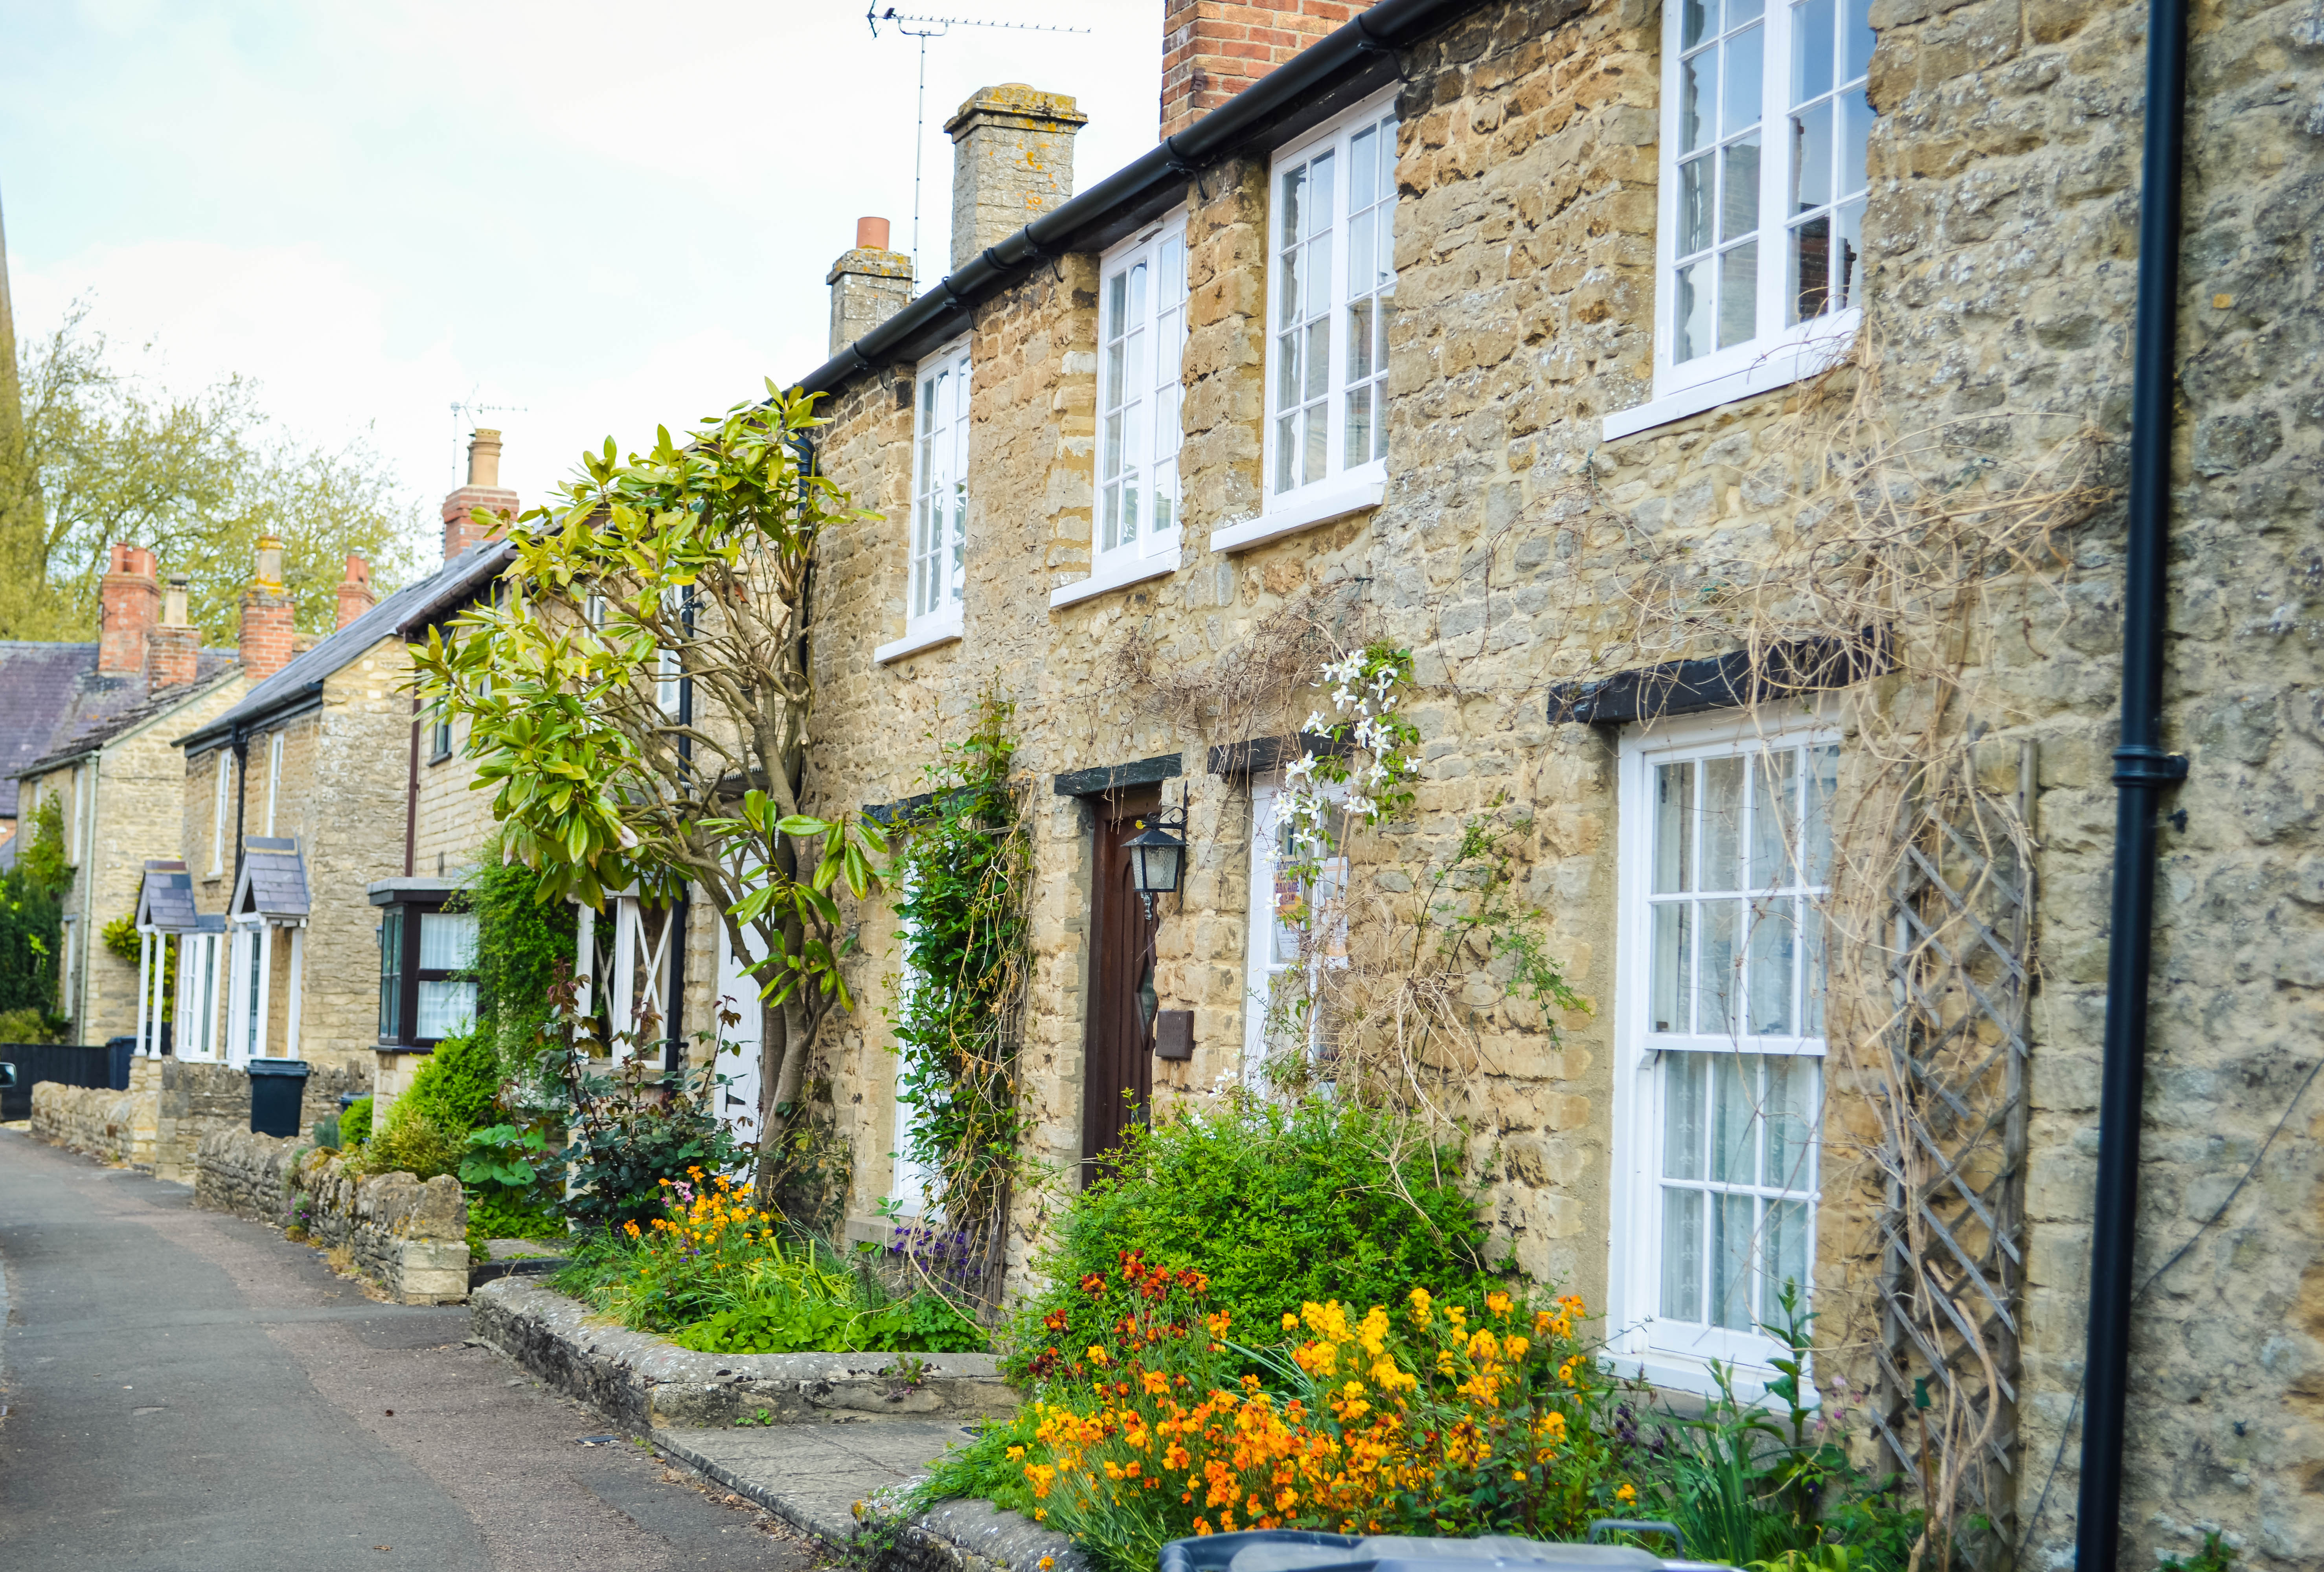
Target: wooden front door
1118, 1073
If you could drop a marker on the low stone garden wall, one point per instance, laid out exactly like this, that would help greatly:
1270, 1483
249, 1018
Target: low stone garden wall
410, 1236
158, 1123
651, 1384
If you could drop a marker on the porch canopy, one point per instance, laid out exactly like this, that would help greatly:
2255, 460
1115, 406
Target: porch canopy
269, 893
165, 905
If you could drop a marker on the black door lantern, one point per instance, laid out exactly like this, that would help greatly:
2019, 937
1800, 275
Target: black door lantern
1157, 857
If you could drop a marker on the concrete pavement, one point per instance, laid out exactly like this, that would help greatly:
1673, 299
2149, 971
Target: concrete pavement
187, 1392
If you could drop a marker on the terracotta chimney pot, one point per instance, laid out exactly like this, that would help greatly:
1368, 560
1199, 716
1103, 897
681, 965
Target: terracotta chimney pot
355, 594
483, 493
176, 643
128, 602
870, 234
267, 631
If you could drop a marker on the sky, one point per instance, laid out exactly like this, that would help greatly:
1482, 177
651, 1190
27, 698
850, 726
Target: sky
578, 219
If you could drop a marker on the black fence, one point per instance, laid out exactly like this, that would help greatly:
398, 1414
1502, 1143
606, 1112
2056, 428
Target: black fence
73, 1063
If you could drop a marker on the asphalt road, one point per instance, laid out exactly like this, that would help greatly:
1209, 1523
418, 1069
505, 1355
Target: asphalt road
186, 1391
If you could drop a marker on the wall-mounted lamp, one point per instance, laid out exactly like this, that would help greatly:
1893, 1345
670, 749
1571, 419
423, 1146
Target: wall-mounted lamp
1158, 856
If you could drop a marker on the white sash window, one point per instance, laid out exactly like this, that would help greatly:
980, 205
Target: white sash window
1726, 860
937, 578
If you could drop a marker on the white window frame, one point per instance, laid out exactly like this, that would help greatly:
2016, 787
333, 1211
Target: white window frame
1343, 487
1139, 428
947, 373
1779, 353
274, 777
1638, 1343
739, 1045
914, 1190
1260, 969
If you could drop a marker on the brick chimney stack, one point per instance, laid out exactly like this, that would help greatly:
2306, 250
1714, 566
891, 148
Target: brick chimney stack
1213, 50
1012, 160
483, 491
868, 284
267, 634
128, 600
356, 596
176, 642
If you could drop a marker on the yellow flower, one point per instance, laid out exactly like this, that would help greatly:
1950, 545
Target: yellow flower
1290, 1321
1626, 1495
1498, 1303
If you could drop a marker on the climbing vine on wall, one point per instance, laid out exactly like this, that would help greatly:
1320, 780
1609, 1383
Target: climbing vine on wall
961, 877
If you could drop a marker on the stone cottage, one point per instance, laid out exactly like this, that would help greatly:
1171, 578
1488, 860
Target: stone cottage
110, 766
297, 800
1728, 404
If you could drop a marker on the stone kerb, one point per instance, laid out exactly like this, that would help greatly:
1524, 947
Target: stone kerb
651, 1384
408, 1234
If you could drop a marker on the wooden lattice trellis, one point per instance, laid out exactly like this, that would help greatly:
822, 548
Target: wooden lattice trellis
1960, 921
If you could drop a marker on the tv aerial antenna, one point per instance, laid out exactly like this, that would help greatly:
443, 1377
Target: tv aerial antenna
925, 28
468, 409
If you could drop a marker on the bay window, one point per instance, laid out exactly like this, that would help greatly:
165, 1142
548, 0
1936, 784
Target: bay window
1141, 333
1726, 860
937, 575
1759, 245
427, 964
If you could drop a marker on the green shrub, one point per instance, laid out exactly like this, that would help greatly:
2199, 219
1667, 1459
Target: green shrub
457, 1089
355, 1122
28, 1025
410, 1143
520, 942
922, 1324
1275, 1207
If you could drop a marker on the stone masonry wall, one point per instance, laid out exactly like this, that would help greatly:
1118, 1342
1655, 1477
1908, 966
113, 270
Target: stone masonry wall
453, 822
408, 1236
158, 1125
2000, 249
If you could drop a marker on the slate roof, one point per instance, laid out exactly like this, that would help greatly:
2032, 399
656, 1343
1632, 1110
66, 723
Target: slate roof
102, 708
166, 904
37, 683
273, 882
397, 616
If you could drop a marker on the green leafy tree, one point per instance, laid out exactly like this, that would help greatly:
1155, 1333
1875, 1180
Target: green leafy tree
95, 453
641, 701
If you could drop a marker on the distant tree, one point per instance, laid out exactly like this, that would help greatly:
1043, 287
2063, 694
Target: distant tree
98, 454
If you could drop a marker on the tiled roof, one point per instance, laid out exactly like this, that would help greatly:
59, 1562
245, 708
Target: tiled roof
102, 708
166, 904
274, 879
37, 682
454, 581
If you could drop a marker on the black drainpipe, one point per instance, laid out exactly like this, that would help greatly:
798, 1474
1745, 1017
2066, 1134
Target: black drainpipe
2143, 771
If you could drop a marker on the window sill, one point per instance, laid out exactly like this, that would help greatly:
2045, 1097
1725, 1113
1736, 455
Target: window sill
1123, 570
936, 630
1320, 504
1779, 367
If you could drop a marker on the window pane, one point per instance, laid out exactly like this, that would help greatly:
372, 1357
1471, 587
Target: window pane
1287, 451
1785, 1257
1289, 290
1734, 1134
1673, 828
1846, 252
1111, 536
1775, 805
1666, 990
1772, 935
1732, 1217
1318, 461
1811, 157
1170, 344
1696, 18
1811, 267
1294, 195
1320, 191
1319, 276
1317, 356
1362, 155
1358, 436
1166, 498
1743, 81
1790, 1123
1714, 975
1287, 369
1169, 422
1815, 838
1682, 1254
1697, 99
1686, 1114
448, 940
1739, 205
1855, 138
1360, 347
1115, 389
1693, 207
1812, 970
1112, 445
1130, 509
1691, 326
447, 1009
1114, 292
1858, 40
1133, 365
1722, 823
1384, 250
1738, 285
1811, 50
1361, 250
1739, 11
1137, 300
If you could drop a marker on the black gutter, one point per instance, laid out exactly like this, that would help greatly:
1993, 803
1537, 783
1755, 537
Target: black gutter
232, 728
2143, 771
1368, 42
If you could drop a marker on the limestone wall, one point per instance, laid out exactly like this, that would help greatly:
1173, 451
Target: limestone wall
159, 1124
93, 1120
408, 1236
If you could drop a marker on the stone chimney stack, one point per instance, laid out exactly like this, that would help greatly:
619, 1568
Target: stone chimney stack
868, 284
483, 491
129, 599
1012, 160
267, 634
356, 596
1213, 50
176, 642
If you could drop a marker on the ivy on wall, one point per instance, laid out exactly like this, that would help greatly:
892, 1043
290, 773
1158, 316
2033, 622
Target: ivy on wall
960, 878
